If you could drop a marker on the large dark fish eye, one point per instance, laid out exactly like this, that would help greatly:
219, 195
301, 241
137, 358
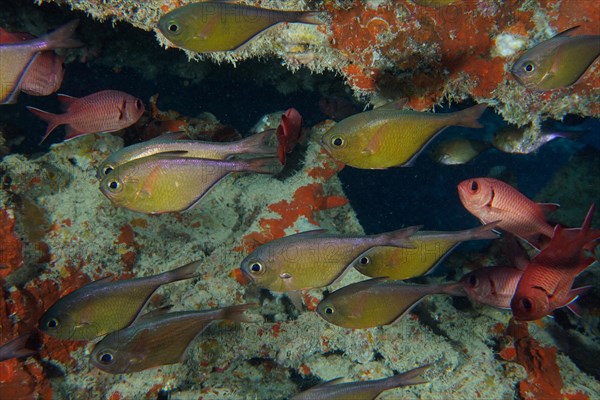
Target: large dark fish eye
527, 305
105, 358
256, 267
337, 141
328, 310
52, 323
173, 27
474, 186
473, 280
114, 185
108, 169
528, 67
364, 260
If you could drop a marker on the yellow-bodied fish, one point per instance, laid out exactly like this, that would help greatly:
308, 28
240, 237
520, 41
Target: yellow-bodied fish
430, 249
384, 138
367, 390
458, 151
377, 302
103, 306
223, 25
157, 339
255, 144
165, 183
313, 259
16, 58
557, 62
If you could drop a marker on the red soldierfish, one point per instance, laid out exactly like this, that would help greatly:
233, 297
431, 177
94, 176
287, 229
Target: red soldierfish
45, 74
548, 278
493, 286
493, 200
17, 58
289, 133
104, 111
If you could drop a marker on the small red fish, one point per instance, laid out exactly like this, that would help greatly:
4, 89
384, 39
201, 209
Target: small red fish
492, 200
289, 133
45, 74
548, 278
104, 111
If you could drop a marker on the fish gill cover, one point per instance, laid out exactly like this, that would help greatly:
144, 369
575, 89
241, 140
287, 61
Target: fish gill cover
59, 231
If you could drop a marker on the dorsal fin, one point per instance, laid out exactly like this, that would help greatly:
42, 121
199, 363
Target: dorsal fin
548, 207
65, 101
567, 32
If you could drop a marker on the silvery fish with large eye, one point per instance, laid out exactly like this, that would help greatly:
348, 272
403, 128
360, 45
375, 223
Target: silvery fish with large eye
157, 338
557, 62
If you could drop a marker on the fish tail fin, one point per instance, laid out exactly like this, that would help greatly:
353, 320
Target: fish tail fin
486, 231
187, 271
311, 17
62, 37
53, 120
412, 377
469, 118
263, 165
17, 348
400, 237
236, 313
257, 144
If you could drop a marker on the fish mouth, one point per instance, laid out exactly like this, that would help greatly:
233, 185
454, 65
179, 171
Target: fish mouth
248, 275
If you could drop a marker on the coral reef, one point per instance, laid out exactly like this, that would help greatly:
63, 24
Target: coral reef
390, 49
283, 351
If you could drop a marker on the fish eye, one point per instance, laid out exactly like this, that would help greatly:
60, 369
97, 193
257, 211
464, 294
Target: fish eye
114, 186
52, 323
474, 186
105, 358
526, 303
364, 260
473, 281
529, 67
338, 141
256, 267
328, 310
173, 27
108, 169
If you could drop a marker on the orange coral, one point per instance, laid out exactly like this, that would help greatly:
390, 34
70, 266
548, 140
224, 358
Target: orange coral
543, 375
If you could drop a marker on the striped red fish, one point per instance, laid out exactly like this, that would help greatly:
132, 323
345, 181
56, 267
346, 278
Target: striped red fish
104, 111
492, 200
45, 73
547, 281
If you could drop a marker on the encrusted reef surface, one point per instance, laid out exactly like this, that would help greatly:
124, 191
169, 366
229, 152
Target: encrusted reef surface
390, 49
59, 232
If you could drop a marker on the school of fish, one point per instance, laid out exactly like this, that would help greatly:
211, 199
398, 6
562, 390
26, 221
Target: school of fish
172, 175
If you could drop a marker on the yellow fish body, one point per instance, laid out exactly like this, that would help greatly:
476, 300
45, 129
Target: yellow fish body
430, 248
103, 307
219, 25
165, 183
435, 3
377, 302
384, 138
312, 259
16, 58
557, 62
